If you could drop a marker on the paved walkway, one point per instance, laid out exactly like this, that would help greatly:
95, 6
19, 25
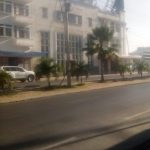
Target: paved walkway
31, 95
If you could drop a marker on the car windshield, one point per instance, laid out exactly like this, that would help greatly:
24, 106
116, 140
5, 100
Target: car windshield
75, 74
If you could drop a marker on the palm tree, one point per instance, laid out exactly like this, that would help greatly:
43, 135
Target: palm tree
123, 68
141, 66
100, 39
47, 68
81, 70
90, 48
5, 80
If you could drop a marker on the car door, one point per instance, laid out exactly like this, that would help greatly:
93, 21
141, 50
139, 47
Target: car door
21, 74
12, 71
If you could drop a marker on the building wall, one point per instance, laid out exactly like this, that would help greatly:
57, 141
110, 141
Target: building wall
51, 25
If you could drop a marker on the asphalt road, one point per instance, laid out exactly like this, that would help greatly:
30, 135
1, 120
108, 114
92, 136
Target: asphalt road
41, 122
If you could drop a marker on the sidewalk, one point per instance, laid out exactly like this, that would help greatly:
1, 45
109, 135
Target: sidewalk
30, 95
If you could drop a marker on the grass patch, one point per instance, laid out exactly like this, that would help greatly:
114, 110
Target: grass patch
8, 93
57, 87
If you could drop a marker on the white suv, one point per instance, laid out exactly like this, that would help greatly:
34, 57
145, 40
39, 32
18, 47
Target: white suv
19, 73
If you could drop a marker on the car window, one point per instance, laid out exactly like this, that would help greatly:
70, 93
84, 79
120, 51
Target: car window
7, 68
20, 69
13, 69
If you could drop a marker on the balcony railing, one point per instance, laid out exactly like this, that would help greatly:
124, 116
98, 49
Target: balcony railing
22, 1
16, 20
14, 13
23, 42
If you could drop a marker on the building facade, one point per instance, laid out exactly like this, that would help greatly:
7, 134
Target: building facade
33, 28
143, 52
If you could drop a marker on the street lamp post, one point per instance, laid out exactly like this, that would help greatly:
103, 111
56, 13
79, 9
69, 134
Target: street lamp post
66, 27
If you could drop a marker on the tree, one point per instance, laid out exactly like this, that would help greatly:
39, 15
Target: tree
81, 70
47, 68
123, 68
99, 43
5, 80
140, 66
90, 48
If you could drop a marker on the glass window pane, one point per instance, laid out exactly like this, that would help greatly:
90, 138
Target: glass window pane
8, 8
1, 31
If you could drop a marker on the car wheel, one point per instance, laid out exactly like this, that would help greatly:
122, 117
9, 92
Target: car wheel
30, 78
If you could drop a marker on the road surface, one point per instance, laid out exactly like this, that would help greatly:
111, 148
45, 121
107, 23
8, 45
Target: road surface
46, 121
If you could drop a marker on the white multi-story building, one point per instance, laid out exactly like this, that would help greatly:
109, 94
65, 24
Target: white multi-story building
33, 28
143, 52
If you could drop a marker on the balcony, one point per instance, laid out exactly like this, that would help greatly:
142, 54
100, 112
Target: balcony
23, 42
22, 1
21, 20
17, 13
16, 20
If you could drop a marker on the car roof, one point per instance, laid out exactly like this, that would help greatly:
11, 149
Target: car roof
11, 67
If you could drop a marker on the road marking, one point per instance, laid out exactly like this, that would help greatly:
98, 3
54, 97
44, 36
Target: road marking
137, 115
59, 143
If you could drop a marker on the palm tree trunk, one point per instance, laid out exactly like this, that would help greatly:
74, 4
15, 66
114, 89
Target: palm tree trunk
81, 79
99, 61
62, 80
49, 81
141, 75
109, 66
102, 70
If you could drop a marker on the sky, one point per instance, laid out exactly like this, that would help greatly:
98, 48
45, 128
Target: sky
138, 23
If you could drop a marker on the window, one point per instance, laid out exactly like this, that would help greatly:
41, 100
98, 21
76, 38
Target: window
75, 47
13, 69
5, 30
1, 31
44, 12
21, 10
6, 6
60, 47
6, 68
20, 69
45, 42
72, 18
59, 16
1, 6
90, 22
8, 31
22, 32
75, 19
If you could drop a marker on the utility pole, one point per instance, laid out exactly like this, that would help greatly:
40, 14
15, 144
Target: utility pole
66, 27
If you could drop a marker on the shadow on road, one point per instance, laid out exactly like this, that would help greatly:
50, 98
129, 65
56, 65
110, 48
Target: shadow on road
85, 135
138, 142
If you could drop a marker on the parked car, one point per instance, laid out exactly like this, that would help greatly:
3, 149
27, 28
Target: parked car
19, 73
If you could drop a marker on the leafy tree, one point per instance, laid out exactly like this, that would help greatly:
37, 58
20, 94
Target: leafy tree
47, 68
5, 80
123, 68
98, 42
90, 48
140, 67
